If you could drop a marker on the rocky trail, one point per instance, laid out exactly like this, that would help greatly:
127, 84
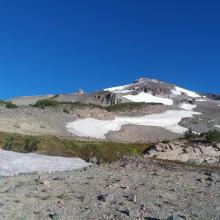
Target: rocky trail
132, 188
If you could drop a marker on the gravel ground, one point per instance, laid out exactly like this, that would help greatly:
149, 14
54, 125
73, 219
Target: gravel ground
145, 134
133, 188
34, 121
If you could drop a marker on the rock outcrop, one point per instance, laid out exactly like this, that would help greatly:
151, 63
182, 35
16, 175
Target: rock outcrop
194, 153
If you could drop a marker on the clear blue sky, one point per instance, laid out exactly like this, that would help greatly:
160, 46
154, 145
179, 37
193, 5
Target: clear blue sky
51, 46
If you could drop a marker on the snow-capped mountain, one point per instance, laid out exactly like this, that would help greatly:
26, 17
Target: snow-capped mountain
154, 91
159, 111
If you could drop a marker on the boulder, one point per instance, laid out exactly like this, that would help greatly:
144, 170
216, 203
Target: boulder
176, 217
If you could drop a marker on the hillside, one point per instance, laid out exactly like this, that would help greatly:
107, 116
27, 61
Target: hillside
145, 150
135, 112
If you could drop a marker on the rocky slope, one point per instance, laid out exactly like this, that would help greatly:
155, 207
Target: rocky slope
157, 96
133, 188
184, 151
145, 187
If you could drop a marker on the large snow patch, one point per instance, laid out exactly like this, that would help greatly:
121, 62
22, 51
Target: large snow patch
148, 98
117, 88
13, 163
90, 127
178, 90
187, 106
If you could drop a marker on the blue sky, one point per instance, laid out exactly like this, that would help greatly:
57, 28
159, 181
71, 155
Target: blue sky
51, 46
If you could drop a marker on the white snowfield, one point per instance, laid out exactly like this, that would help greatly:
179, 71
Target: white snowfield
187, 106
148, 98
178, 90
217, 126
13, 163
94, 128
117, 88
123, 91
201, 100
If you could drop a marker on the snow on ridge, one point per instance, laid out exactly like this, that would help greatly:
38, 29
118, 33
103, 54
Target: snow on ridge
187, 106
217, 126
148, 98
123, 91
94, 128
201, 100
13, 163
178, 90
117, 88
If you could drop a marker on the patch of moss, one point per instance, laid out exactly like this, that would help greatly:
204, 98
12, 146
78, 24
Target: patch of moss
7, 104
51, 145
51, 102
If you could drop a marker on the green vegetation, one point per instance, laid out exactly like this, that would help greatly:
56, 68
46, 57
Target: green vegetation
10, 105
43, 103
7, 104
68, 106
2, 102
51, 145
128, 106
31, 144
8, 143
189, 135
212, 135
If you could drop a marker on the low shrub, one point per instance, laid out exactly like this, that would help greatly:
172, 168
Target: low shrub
7, 104
8, 143
45, 103
189, 135
31, 144
213, 135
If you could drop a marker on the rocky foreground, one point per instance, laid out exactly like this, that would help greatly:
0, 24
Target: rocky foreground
133, 188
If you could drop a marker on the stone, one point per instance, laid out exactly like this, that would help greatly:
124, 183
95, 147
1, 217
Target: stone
93, 160
58, 178
107, 198
134, 213
176, 217
124, 211
218, 146
43, 180
172, 146
53, 215
132, 197
214, 177
195, 161
201, 180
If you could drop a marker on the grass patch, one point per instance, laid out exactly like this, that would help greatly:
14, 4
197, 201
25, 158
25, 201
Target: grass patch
45, 103
51, 102
212, 135
51, 145
7, 104
68, 106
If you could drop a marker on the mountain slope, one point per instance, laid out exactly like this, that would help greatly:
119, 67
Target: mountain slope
142, 111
